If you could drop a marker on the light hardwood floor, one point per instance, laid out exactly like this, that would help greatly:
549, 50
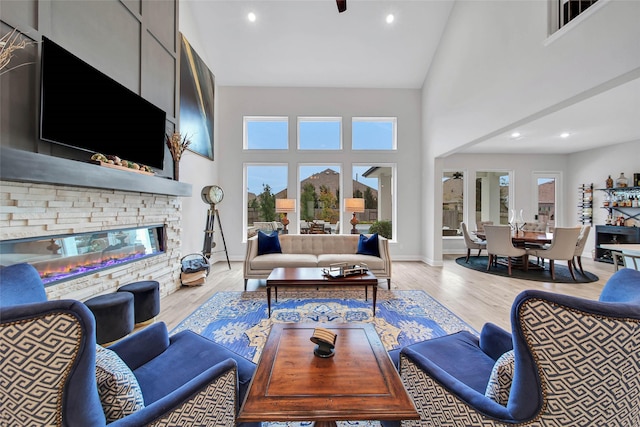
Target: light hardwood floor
476, 297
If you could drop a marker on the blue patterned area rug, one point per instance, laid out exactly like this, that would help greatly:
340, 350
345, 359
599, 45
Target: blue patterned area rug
238, 320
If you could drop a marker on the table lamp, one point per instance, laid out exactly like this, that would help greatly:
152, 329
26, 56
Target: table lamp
284, 206
354, 205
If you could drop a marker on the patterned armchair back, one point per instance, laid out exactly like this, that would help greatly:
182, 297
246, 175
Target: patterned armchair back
587, 358
47, 369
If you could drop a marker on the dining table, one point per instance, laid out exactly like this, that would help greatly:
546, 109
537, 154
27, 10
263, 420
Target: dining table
521, 238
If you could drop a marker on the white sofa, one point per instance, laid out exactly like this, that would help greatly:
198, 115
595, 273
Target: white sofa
315, 250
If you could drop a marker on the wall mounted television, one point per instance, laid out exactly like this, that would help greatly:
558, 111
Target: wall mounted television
83, 108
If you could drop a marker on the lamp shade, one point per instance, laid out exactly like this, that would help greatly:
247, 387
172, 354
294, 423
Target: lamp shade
285, 205
354, 205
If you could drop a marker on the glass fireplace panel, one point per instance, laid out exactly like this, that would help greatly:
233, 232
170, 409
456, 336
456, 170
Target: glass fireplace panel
64, 257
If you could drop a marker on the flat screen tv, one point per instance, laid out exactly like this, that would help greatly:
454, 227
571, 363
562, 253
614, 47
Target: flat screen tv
85, 109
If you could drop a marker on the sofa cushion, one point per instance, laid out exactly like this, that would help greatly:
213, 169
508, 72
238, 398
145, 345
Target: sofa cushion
271, 261
499, 384
119, 391
268, 243
368, 245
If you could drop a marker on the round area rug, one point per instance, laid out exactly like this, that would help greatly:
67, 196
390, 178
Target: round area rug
479, 263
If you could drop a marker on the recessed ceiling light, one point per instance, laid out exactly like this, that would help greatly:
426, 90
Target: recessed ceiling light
251, 17
565, 135
515, 135
390, 18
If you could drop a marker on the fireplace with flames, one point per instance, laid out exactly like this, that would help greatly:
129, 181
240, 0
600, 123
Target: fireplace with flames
66, 257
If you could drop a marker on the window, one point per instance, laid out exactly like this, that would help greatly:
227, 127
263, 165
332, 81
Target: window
320, 133
562, 12
452, 203
375, 184
545, 194
492, 197
266, 133
265, 184
373, 133
320, 200
570, 9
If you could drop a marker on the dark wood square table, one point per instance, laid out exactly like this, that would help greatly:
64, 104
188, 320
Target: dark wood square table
359, 382
315, 277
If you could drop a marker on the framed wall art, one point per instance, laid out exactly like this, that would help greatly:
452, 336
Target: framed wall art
197, 90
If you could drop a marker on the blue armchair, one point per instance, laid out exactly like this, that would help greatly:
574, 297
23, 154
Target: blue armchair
575, 362
48, 365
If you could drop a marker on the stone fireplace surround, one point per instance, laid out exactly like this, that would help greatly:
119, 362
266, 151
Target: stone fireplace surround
44, 196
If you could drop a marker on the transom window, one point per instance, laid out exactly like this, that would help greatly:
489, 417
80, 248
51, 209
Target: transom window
320, 133
266, 133
373, 133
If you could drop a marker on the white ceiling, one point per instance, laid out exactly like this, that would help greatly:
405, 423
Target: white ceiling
307, 43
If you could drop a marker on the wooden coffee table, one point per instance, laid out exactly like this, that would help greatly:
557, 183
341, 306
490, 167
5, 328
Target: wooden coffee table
314, 277
359, 382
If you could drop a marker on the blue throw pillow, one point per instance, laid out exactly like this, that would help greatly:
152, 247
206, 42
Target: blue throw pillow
268, 243
368, 245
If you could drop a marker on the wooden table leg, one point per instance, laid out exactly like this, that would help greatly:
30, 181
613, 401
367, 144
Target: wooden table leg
375, 295
268, 301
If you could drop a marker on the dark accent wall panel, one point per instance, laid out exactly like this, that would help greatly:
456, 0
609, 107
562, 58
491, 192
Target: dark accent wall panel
20, 13
134, 5
104, 34
157, 14
132, 41
158, 67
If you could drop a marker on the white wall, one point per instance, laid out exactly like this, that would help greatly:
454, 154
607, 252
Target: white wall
195, 169
494, 68
594, 166
236, 102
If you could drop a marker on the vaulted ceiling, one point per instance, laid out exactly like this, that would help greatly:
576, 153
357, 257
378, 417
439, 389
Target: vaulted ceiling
307, 43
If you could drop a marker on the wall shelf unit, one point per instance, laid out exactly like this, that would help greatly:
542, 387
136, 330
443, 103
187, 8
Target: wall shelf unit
622, 202
585, 204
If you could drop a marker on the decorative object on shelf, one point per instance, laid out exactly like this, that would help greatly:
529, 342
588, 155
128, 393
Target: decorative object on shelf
285, 206
622, 181
177, 144
9, 43
326, 342
636, 179
585, 205
354, 206
609, 182
115, 162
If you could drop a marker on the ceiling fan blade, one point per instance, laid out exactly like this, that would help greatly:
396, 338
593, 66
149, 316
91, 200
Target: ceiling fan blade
342, 5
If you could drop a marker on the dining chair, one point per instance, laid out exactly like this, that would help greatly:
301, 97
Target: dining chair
625, 260
499, 243
471, 242
480, 225
582, 241
535, 226
562, 247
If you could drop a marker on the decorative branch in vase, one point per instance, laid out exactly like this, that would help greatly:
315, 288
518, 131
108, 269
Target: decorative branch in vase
177, 145
9, 43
